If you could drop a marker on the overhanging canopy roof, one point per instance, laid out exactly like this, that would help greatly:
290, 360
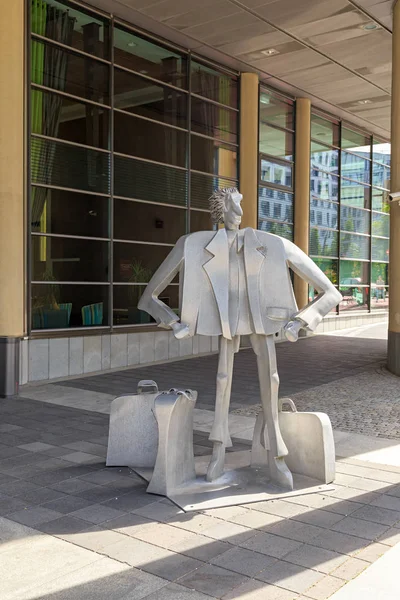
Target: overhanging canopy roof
336, 52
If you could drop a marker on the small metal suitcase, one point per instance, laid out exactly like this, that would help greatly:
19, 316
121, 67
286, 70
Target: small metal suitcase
309, 439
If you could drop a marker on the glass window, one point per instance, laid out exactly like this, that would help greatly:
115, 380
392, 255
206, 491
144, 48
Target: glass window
74, 72
354, 272
214, 121
354, 219
144, 97
148, 222
380, 200
63, 165
381, 151
202, 186
146, 181
354, 298
277, 173
68, 259
63, 22
356, 168
380, 224
139, 54
136, 263
126, 298
211, 156
356, 199
323, 242
381, 175
355, 194
276, 111
326, 216
324, 158
379, 274
312, 295
152, 141
58, 306
329, 267
324, 186
75, 121
380, 249
200, 221
354, 246
69, 213
281, 201
213, 84
379, 297
379, 285
356, 142
282, 229
324, 131
276, 142
69, 72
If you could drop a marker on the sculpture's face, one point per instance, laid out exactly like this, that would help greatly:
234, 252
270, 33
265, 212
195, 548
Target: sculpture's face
233, 211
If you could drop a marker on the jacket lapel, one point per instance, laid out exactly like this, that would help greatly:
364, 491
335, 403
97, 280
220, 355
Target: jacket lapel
217, 269
254, 256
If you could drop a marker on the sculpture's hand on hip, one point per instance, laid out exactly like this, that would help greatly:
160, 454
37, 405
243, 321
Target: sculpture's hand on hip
181, 331
292, 329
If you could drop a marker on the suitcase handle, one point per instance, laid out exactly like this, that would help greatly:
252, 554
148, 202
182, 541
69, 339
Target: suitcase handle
289, 401
181, 392
147, 386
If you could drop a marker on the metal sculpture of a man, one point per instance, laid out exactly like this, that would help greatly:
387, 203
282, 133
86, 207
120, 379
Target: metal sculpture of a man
237, 282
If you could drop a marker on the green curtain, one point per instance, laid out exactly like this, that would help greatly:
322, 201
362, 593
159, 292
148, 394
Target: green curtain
49, 68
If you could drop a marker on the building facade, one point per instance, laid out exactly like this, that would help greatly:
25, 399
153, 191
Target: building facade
122, 138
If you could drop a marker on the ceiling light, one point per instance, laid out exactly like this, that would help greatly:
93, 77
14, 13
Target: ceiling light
264, 100
364, 101
270, 52
132, 44
371, 26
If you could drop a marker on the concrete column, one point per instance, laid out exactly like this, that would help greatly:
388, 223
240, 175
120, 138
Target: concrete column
302, 190
394, 248
249, 99
12, 176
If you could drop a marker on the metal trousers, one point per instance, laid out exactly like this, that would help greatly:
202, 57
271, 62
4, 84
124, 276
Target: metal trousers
264, 348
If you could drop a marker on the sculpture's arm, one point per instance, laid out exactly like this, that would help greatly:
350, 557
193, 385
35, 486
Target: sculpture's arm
149, 301
328, 296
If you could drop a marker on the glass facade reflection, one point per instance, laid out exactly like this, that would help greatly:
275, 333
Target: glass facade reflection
349, 212
276, 164
129, 137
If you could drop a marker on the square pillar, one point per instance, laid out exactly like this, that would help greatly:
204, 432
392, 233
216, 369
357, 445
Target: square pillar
302, 190
394, 247
249, 123
12, 188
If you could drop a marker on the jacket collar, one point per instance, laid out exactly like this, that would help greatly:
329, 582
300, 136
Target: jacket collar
217, 269
218, 274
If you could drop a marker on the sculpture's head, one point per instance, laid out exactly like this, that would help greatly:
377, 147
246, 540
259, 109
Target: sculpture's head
225, 207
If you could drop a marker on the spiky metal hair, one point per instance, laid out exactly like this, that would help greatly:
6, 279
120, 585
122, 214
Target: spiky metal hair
217, 203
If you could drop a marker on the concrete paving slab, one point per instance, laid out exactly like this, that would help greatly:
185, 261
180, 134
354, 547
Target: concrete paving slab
105, 579
41, 558
378, 581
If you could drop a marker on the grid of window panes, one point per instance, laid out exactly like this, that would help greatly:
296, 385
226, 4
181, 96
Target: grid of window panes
129, 137
276, 164
349, 212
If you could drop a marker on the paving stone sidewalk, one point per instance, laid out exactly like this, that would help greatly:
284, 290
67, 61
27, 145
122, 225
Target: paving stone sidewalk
72, 529
309, 363
342, 376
